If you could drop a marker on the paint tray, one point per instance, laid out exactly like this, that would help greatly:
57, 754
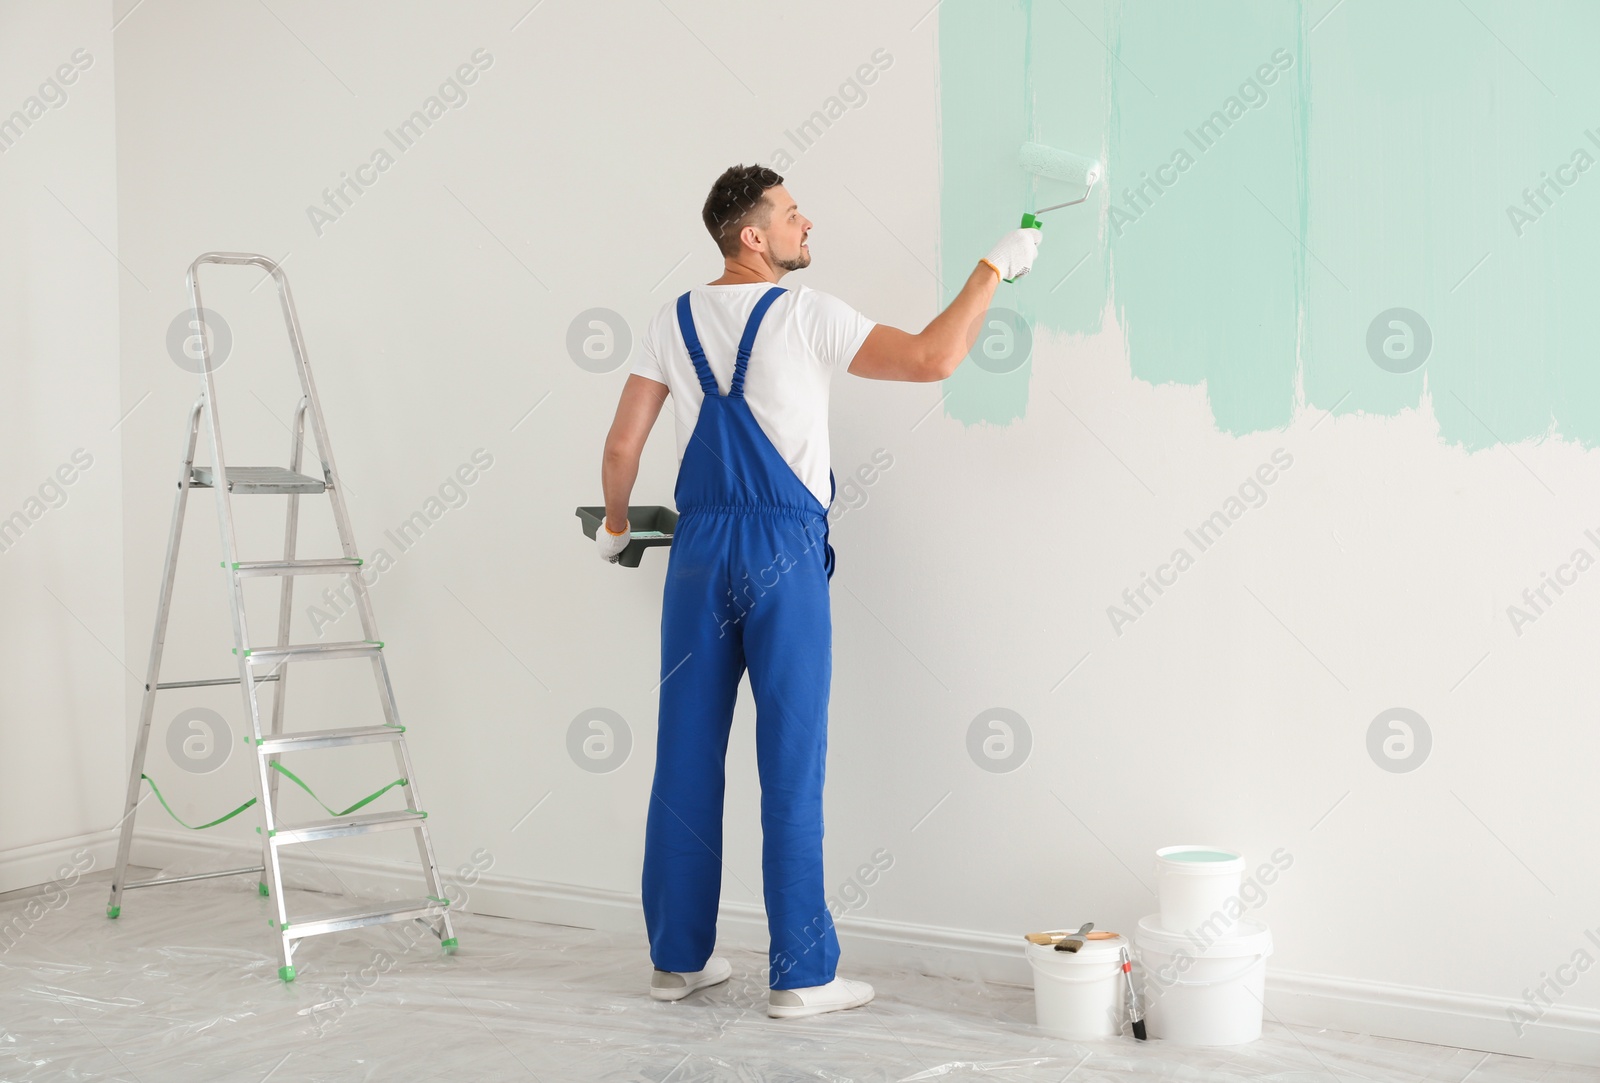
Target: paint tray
651, 525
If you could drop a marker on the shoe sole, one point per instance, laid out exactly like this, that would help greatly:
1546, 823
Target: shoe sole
800, 1011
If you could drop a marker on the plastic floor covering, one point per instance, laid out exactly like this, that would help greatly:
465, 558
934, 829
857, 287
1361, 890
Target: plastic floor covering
184, 986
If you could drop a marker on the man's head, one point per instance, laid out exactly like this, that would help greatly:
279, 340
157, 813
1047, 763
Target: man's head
753, 219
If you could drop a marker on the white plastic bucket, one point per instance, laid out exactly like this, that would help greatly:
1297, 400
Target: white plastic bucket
1194, 883
1079, 994
1200, 993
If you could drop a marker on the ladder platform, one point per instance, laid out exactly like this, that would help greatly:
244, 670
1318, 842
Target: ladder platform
250, 480
326, 566
306, 739
364, 824
368, 915
359, 648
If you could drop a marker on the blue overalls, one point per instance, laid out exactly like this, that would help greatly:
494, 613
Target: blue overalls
746, 586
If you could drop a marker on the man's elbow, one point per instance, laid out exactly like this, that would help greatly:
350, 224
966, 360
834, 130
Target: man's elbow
891, 354
620, 453
938, 362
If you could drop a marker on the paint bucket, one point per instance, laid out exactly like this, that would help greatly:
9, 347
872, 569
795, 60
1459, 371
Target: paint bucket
1194, 883
1200, 993
1079, 994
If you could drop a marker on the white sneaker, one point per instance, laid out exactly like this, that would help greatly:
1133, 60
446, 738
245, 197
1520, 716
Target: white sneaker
838, 994
669, 985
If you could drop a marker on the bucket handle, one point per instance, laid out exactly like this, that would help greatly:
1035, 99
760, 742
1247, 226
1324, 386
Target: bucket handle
1258, 959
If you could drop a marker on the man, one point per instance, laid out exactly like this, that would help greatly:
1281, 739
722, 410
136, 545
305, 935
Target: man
749, 566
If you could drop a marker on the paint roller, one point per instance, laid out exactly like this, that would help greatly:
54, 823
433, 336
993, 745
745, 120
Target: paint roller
1060, 165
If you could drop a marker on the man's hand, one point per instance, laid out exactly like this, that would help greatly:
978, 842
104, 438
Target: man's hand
610, 544
1013, 257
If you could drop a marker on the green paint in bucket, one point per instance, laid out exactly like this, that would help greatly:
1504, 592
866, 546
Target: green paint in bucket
1200, 855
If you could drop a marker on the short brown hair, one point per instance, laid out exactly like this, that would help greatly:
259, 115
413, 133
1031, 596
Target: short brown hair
733, 201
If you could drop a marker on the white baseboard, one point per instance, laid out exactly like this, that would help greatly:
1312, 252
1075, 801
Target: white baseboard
1467, 1021
41, 863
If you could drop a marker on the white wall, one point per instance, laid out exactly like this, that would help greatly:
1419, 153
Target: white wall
976, 574
64, 662
436, 311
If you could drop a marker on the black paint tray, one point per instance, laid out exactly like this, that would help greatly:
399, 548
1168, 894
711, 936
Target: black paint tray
652, 520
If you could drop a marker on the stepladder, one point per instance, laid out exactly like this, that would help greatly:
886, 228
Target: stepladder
259, 665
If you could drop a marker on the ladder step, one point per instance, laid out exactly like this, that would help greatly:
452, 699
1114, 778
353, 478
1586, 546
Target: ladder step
251, 480
361, 648
329, 565
364, 824
357, 918
306, 739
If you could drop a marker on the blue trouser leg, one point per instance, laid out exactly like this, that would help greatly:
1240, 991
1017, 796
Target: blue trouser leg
779, 623
701, 663
788, 646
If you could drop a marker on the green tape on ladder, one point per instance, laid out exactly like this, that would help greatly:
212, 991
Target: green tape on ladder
280, 768
293, 778
202, 827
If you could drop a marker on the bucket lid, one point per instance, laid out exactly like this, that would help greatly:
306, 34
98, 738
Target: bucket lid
1247, 936
1199, 860
1093, 951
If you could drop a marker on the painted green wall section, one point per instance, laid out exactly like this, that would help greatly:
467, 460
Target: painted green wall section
1429, 120
1011, 71
1207, 201
1250, 232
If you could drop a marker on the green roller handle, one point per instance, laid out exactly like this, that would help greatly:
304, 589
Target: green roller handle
1029, 221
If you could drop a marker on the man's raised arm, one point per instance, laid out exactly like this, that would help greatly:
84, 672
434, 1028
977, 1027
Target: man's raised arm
889, 353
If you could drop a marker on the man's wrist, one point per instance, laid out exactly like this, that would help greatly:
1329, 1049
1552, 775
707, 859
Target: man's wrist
992, 267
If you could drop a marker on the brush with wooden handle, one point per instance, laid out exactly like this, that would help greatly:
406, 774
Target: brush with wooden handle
1061, 940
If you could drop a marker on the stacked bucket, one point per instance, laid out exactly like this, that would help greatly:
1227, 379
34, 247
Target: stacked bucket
1204, 961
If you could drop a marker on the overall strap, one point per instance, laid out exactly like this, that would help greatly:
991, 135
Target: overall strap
749, 340
708, 382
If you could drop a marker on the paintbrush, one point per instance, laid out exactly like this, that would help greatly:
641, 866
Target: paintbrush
1135, 1016
1076, 939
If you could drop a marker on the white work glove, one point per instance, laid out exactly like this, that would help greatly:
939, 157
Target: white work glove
1013, 257
612, 544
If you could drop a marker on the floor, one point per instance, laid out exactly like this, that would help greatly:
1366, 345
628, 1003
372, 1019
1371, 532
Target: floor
183, 986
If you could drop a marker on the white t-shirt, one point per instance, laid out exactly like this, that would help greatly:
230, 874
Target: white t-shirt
805, 338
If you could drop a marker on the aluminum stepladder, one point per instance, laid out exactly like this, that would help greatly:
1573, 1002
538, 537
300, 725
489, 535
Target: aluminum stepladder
261, 665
